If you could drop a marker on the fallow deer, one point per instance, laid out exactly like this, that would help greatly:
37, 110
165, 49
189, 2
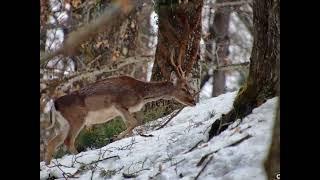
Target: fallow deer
106, 99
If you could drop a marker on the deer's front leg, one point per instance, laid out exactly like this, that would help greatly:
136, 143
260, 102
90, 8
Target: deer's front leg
128, 119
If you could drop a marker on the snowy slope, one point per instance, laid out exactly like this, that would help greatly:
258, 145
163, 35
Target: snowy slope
171, 153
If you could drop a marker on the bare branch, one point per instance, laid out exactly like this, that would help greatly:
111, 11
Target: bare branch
235, 3
232, 66
203, 167
99, 160
196, 145
114, 13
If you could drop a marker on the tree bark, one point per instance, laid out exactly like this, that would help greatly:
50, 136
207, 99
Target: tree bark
142, 39
44, 13
272, 163
263, 76
179, 30
221, 33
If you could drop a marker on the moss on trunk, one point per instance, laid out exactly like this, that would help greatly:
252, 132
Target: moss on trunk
264, 76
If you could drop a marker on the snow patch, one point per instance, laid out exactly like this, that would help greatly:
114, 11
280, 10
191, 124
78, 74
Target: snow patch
174, 151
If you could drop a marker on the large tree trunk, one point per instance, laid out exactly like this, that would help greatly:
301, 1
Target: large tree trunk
272, 162
179, 30
265, 58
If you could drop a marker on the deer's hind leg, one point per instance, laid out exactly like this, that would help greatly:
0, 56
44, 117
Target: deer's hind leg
57, 140
72, 136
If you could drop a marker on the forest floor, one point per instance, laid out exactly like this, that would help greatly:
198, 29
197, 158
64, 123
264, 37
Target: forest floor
180, 150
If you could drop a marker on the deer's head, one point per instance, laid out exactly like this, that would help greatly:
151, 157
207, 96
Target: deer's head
182, 92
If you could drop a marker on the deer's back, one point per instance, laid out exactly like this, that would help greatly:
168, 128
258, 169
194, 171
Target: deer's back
123, 90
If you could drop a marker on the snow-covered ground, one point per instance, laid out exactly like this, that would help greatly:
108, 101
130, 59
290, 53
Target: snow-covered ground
180, 149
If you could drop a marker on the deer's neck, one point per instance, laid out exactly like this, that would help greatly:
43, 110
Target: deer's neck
156, 90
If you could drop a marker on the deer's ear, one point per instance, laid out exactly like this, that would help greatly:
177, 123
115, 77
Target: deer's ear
173, 78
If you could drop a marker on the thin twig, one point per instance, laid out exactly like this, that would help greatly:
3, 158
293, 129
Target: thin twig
133, 175
94, 60
96, 161
129, 146
106, 151
178, 162
238, 129
171, 117
203, 168
196, 145
240, 140
146, 135
64, 174
99, 160
229, 145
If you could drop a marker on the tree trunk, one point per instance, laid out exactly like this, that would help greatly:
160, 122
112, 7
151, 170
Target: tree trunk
179, 30
265, 58
44, 13
142, 39
221, 34
272, 163
218, 85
